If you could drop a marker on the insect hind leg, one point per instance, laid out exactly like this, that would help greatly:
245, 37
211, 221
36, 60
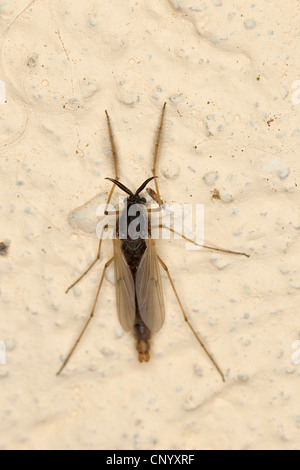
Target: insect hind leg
166, 269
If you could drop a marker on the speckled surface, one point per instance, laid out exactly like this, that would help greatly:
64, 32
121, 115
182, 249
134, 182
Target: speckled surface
229, 72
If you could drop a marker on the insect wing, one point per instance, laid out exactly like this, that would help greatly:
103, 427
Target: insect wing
149, 290
125, 292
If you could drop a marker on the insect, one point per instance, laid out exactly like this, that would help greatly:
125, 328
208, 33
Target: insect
139, 293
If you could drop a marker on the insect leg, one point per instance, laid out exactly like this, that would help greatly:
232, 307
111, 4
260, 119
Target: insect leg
113, 213
164, 266
115, 157
205, 246
88, 321
156, 152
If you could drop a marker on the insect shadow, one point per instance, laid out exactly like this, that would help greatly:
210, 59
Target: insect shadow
139, 293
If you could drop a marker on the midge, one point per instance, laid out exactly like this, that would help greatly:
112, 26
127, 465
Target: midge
139, 295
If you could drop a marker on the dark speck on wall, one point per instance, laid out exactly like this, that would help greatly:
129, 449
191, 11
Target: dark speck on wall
4, 248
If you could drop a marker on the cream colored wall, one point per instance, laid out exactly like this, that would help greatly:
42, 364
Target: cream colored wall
227, 71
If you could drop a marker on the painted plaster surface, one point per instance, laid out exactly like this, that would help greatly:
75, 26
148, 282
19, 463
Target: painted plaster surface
229, 72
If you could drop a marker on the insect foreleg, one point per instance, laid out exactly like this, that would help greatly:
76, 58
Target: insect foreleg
156, 151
